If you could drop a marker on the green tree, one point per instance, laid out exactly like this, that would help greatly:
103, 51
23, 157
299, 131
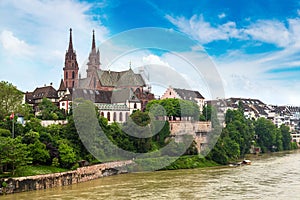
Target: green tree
13, 154
38, 152
266, 132
10, 99
5, 132
49, 111
174, 108
286, 137
66, 154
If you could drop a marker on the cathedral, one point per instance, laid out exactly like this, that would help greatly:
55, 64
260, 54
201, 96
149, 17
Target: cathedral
116, 94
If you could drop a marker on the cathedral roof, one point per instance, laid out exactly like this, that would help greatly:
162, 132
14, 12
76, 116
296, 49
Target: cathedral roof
120, 79
122, 95
96, 96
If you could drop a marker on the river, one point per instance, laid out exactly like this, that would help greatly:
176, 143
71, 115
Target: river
275, 176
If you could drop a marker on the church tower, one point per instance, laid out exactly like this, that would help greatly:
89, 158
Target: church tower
94, 59
71, 66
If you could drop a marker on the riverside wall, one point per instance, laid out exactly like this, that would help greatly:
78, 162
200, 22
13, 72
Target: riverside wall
82, 174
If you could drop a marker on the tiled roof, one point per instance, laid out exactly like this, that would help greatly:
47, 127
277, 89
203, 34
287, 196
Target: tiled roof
96, 96
122, 95
188, 94
45, 92
120, 79
245, 101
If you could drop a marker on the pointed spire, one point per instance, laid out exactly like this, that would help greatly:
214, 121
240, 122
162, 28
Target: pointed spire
70, 42
62, 86
93, 42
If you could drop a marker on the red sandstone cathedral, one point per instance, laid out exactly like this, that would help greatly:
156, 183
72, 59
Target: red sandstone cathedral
113, 92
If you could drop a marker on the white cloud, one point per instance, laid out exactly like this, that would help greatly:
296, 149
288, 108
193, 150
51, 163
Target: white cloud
153, 59
203, 31
14, 45
248, 75
222, 15
41, 28
268, 31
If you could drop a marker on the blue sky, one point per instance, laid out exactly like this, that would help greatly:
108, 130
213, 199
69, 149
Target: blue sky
254, 45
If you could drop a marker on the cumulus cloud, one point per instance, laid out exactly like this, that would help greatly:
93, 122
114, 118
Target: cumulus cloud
153, 59
203, 31
14, 45
250, 75
41, 28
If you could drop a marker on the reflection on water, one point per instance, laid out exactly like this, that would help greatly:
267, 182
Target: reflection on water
276, 177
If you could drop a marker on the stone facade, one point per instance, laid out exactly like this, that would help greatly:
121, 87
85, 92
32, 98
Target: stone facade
82, 174
197, 129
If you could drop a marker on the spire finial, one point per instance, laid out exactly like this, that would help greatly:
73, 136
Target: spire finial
129, 64
70, 42
93, 42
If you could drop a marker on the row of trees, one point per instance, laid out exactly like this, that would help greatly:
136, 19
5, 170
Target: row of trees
60, 145
240, 134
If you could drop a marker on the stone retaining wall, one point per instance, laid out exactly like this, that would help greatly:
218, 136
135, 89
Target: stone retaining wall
82, 174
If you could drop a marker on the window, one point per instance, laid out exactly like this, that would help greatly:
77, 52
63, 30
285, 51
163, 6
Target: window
121, 117
63, 104
73, 74
102, 114
170, 93
126, 116
73, 84
66, 75
115, 116
94, 82
108, 116
134, 106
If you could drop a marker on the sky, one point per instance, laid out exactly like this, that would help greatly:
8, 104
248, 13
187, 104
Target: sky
250, 49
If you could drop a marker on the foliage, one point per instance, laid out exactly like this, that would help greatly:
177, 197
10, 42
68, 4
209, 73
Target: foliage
266, 133
38, 152
66, 154
55, 162
49, 111
5, 132
13, 154
10, 99
173, 108
286, 137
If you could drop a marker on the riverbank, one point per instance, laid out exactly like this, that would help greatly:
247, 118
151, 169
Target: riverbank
45, 181
82, 174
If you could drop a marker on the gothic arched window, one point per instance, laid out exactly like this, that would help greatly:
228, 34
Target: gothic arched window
108, 116
126, 116
121, 117
134, 106
115, 116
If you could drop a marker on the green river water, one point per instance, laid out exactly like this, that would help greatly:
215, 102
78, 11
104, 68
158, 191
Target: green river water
275, 176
